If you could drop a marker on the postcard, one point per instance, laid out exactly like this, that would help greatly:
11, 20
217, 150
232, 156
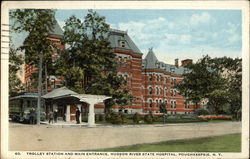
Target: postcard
125, 79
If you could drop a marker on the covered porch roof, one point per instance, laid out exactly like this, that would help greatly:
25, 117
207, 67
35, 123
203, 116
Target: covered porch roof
64, 92
25, 95
59, 93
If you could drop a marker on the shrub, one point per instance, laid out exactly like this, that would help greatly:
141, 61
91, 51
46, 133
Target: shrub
100, 117
136, 118
122, 116
116, 118
201, 112
108, 117
148, 119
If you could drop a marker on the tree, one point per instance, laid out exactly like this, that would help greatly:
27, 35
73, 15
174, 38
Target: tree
38, 23
199, 81
231, 71
15, 62
217, 79
88, 64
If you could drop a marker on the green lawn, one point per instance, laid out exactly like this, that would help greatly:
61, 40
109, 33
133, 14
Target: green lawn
130, 122
226, 143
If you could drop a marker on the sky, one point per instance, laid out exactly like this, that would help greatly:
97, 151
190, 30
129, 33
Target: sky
175, 34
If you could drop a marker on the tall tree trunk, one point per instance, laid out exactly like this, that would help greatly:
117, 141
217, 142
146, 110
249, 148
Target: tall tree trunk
46, 79
39, 89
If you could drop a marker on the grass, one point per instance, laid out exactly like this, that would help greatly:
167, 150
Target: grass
130, 122
225, 143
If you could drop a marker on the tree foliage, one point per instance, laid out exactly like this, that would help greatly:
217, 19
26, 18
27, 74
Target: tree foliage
88, 64
37, 23
15, 62
216, 79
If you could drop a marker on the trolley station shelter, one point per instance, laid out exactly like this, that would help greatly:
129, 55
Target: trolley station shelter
65, 101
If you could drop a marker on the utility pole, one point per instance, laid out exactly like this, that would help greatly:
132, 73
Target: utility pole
39, 89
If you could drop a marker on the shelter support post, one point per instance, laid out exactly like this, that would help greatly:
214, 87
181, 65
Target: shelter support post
68, 113
54, 107
79, 106
91, 115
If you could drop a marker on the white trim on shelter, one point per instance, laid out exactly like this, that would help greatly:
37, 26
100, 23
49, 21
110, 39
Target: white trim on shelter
91, 100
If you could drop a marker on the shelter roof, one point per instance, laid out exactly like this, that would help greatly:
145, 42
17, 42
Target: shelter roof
59, 93
88, 98
26, 95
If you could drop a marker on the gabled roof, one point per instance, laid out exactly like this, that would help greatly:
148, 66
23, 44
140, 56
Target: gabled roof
57, 30
151, 62
59, 92
116, 36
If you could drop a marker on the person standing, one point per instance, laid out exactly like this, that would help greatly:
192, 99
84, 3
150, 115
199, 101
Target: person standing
77, 116
55, 114
50, 117
32, 116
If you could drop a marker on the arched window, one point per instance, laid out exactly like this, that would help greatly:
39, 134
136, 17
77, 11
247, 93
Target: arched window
157, 77
166, 91
150, 78
165, 101
160, 90
174, 104
150, 89
157, 90
157, 103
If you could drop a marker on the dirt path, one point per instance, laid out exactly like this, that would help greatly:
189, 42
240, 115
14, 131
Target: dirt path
49, 138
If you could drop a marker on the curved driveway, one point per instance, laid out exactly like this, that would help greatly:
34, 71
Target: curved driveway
58, 138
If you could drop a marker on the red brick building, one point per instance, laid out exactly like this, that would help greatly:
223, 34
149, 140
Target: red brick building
53, 82
150, 81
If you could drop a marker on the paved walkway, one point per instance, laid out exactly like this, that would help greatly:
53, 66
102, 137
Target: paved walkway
71, 138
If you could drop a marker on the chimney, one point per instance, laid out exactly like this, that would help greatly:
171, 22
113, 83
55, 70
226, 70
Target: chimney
185, 62
176, 63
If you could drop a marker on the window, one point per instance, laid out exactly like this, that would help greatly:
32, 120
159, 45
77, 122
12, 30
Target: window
157, 90
166, 91
174, 104
160, 101
122, 43
150, 90
150, 103
160, 90
166, 102
157, 103
157, 77
171, 92
150, 77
